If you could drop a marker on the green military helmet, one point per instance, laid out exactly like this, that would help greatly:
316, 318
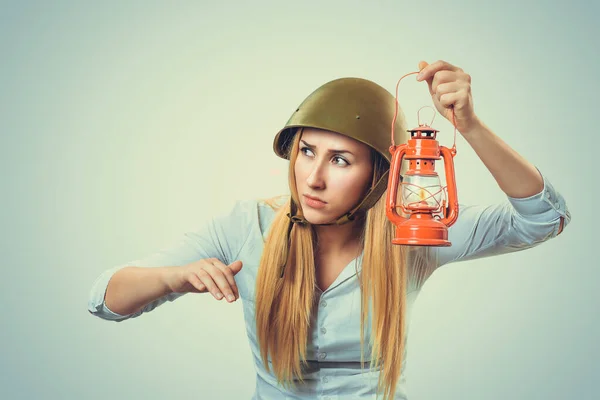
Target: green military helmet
354, 107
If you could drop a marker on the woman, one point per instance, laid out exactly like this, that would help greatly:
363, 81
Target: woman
322, 286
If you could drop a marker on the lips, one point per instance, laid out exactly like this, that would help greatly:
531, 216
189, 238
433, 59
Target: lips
314, 202
315, 198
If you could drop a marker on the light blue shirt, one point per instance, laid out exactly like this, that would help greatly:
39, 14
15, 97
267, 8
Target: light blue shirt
334, 352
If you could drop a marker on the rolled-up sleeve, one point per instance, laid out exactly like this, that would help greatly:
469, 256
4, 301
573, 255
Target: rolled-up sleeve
517, 224
222, 238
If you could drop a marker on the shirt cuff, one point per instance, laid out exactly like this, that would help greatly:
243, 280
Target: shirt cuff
96, 303
544, 205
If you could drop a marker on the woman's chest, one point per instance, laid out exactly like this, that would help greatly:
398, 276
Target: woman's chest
335, 323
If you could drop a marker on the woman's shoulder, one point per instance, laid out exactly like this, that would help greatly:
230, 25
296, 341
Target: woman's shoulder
264, 206
268, 208
273, 204
257, 211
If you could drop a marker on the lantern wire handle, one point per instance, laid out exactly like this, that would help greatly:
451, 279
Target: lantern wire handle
396, 99
453, 150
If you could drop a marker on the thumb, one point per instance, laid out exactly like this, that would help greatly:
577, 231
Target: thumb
235, 266
422, 65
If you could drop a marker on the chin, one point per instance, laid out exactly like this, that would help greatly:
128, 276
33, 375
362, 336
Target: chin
315, 217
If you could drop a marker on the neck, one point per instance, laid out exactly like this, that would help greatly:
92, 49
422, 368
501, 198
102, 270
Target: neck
338, 238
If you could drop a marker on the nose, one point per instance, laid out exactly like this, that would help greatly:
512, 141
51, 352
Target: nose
316, 179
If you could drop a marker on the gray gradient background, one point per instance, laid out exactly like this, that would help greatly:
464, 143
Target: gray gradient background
125, 124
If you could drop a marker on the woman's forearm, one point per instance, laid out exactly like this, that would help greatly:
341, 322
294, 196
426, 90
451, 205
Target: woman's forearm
131, 288
516, 176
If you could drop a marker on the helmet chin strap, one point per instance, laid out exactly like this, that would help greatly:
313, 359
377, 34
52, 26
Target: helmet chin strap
369, 201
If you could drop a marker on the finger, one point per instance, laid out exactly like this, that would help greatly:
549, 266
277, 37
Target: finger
196, 283
211, 286
443, 78
445, 88
220, 274
430, 70
236, 266
448, 99
229, 271
450, 102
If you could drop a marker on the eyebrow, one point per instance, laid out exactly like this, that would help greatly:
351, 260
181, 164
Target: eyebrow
329, 151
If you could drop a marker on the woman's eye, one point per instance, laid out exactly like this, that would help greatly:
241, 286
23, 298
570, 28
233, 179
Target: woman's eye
340, 161
306, 151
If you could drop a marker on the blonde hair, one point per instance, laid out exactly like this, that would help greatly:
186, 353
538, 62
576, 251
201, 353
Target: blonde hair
284, 304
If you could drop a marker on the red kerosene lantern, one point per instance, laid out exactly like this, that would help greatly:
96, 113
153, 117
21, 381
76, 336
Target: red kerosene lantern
427, 215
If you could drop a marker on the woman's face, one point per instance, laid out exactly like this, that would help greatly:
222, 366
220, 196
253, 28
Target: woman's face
333, 172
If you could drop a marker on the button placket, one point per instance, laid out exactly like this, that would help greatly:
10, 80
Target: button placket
321, 355
323, 330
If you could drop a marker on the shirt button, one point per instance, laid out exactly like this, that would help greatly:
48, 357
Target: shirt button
322, 356
323, 303
323, 330
326, 379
